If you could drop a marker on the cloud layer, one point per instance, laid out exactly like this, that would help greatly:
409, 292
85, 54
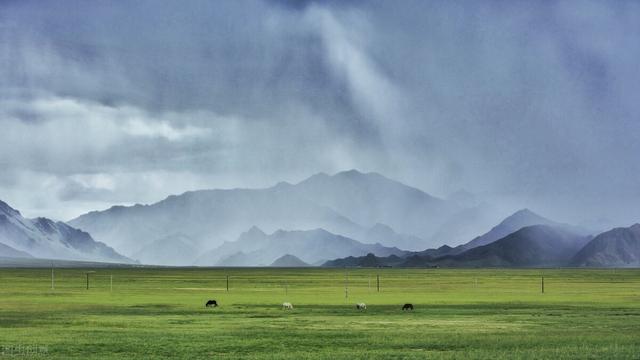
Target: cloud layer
532, 104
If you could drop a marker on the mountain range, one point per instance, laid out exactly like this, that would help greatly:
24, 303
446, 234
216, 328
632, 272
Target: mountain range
370, 198
347, 219
548, 244
516, 221
255, 248
43, 238
530, 246
366, 207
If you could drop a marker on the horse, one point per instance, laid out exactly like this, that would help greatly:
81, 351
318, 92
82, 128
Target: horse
407, 307
287, 306
211, 303
361, 306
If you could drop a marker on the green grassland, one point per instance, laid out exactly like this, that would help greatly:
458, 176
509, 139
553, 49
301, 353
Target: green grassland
158, 313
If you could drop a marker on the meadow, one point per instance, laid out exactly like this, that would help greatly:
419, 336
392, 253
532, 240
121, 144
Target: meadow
159, 313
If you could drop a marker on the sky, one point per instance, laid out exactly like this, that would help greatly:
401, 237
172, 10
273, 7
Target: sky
530, 103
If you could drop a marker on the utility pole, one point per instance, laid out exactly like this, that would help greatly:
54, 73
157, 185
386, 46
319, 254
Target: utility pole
111, 283
227, 283
378, 281
87, 273
52, 278
346, 284
542, 284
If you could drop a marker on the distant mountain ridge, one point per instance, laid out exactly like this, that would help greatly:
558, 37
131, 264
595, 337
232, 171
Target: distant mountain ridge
377, 213
350, 203
516, 221
619, 247
370, 198
256, 248
44, 238
210, 217
387, 236
536, 241
531, 246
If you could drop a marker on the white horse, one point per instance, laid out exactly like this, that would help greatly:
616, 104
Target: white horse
287, 306
361, 306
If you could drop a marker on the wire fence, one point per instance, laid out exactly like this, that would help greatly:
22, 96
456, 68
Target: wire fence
344, 283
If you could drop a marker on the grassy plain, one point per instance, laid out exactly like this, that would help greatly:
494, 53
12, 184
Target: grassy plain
158, 313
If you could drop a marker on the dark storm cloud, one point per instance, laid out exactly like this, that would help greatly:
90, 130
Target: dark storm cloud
535, 101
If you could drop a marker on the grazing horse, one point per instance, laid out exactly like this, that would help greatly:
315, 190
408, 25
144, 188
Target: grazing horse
407, 307
287, 306
211, 303
361, 306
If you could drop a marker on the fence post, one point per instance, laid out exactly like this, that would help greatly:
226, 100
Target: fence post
227, 283
542, 284
378, 282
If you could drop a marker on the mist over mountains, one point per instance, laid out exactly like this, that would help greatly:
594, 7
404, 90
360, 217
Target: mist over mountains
364, 207
347, 219
255, 248
531, 246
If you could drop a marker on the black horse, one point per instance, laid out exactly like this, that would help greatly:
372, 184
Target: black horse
211, 303
407, 307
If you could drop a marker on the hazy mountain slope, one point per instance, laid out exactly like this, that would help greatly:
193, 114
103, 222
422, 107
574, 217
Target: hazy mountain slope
537, 245
516, 221
44, 238
237, 259
176, 249
372, 198
255, 248
248, 241
385, 235
445, 255
619, 247
210, 217
512, 223
9, 252
466, 224
289, 260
